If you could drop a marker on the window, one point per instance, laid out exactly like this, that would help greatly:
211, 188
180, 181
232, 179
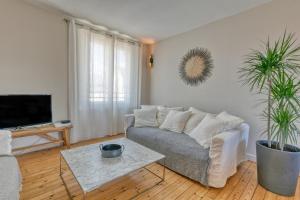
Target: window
109, 74
120, 75
98, 89
104, 80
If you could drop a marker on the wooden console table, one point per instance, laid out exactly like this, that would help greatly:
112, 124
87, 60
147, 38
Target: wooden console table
43, 132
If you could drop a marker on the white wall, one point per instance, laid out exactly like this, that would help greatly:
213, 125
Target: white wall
33, 55
228, 40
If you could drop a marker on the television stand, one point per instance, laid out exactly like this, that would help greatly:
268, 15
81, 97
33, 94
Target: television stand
43, 131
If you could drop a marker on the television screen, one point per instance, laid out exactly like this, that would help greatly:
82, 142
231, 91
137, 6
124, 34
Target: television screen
24, 110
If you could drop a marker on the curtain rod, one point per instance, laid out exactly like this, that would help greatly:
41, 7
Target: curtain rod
106, 32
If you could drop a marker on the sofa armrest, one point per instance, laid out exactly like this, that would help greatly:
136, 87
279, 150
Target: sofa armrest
128, 121
227, 151
5, 142
10, 178
244, 136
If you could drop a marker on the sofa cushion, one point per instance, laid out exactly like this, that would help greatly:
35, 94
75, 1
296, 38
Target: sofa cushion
10, 180
175, 121
196, 111
193, 122
150, 106
230, 121
183, 154
164, 111
207, 129
145, 117
196, 117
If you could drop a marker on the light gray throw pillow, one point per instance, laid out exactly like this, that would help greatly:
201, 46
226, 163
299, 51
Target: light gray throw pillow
175, 121
230, 121
145, 117
196, 117
164, 111
207, 129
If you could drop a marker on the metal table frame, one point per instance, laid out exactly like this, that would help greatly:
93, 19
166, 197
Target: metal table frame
62, 159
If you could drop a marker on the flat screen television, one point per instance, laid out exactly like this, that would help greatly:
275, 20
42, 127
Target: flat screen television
24, 110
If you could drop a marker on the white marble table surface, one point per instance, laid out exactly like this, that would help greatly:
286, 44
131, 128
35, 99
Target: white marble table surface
92, 170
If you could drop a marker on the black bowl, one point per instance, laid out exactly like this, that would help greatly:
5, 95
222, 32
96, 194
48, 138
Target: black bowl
111, 150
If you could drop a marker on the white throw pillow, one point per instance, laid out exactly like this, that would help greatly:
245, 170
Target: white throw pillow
175, 121
145, 117
207, 129
230, 121
196, 111
193, 122
5, 142
150, 106
196, 117
164, 111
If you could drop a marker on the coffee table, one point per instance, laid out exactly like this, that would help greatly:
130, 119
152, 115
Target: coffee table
91, 170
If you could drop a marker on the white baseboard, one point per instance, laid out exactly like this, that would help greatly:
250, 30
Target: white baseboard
251, 157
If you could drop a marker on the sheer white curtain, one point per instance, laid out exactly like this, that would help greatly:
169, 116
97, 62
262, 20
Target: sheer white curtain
126, 74
103, 82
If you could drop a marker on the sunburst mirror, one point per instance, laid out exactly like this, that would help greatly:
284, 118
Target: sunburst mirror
196, 66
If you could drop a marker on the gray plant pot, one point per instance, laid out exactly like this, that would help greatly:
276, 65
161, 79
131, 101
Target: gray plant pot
277, 171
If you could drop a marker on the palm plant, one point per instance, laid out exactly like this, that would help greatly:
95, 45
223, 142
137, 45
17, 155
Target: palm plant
274, 72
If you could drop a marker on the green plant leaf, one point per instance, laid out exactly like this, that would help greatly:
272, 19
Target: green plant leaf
274, 73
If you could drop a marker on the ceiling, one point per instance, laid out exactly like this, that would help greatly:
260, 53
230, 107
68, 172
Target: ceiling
151, 20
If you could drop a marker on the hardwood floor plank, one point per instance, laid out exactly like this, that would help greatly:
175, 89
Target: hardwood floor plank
297, 195
270, 196
169, 180
259, 193
191, 192
213, 193
120, 186
284, 198
239, 189
169, 189
179, 190
251, 186
233, 181
41, 181
135, 188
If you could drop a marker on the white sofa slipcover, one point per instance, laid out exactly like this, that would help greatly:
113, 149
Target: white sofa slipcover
10, 178
227, 151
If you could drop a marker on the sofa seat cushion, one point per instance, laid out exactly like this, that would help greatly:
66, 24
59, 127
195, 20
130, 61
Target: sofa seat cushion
10, 179
183, 154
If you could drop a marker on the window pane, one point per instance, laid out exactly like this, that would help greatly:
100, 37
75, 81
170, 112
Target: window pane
110, 79
100, 68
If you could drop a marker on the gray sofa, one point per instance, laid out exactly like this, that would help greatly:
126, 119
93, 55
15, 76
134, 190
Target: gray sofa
10, 178
210, 167
180, 151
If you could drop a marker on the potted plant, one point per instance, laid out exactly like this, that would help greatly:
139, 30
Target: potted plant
274, 73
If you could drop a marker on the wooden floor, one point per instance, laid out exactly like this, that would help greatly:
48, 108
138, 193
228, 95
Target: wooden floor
40, 171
